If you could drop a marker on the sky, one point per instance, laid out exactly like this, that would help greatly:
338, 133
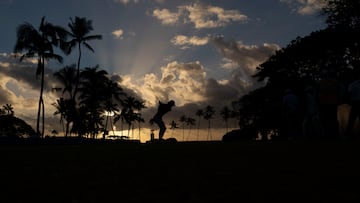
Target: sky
196, 53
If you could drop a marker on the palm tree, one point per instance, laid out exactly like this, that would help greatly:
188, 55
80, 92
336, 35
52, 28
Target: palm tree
139, 105
113, 93
128, 113
66, 106
61, 109
39, 43
183, 121
79, 31
190, 122
173, 126
208, 115
8, 109
92, 97
226, 114
67, 77
200, 114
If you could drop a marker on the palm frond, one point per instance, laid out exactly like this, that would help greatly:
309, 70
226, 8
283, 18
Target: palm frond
88, 46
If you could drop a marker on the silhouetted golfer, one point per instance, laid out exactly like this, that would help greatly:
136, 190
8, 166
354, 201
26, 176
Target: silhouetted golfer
162, 110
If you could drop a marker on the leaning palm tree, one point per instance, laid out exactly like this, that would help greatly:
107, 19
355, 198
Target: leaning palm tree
208, 115
79, 31
39, 43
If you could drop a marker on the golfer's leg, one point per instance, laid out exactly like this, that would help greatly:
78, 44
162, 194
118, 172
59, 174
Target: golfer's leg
162, 129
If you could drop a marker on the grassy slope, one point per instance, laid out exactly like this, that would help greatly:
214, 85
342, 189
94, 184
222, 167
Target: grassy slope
181, 172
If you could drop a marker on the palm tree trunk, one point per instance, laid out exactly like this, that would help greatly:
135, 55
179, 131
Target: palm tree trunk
209, 131
41, 102
198, 129
139, 131
43, 118
67, 128
78, 72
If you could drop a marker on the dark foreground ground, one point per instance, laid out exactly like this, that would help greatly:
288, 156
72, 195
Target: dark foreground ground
181, 172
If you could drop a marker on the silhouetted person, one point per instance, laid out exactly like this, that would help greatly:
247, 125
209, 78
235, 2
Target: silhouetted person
291, 113
311, 125
329, 98
162, 110
354, 99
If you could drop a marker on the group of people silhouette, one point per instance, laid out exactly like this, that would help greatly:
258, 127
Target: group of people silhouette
314, 112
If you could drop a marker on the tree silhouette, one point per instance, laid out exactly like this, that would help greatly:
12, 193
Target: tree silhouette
139, 105
173, 126
226, 114
183, 121
208, 115
66, 105
128, 113
200, 114
302, 62
80, 29
112, 97
190, 122
344, 13
96, 93
61, 109
68, 79
39, 43
8, 109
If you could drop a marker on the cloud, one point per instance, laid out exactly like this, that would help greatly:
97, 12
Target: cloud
305, 7
125, 2
243, 59
201, 15
20, 88
118, 34
166, 17
207, 16
184, 41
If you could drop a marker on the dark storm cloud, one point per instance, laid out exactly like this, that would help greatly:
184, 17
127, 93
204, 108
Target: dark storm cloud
246, 58
25, 71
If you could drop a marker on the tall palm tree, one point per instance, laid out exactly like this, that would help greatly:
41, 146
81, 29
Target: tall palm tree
208, 115
183, 121
80, 29
113, 93
200, 114
39, 43
128, 112
190, 122
226, 114
139, 105
93, 94
68, 79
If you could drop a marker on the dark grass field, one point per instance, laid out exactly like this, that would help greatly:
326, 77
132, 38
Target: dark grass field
317, 171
